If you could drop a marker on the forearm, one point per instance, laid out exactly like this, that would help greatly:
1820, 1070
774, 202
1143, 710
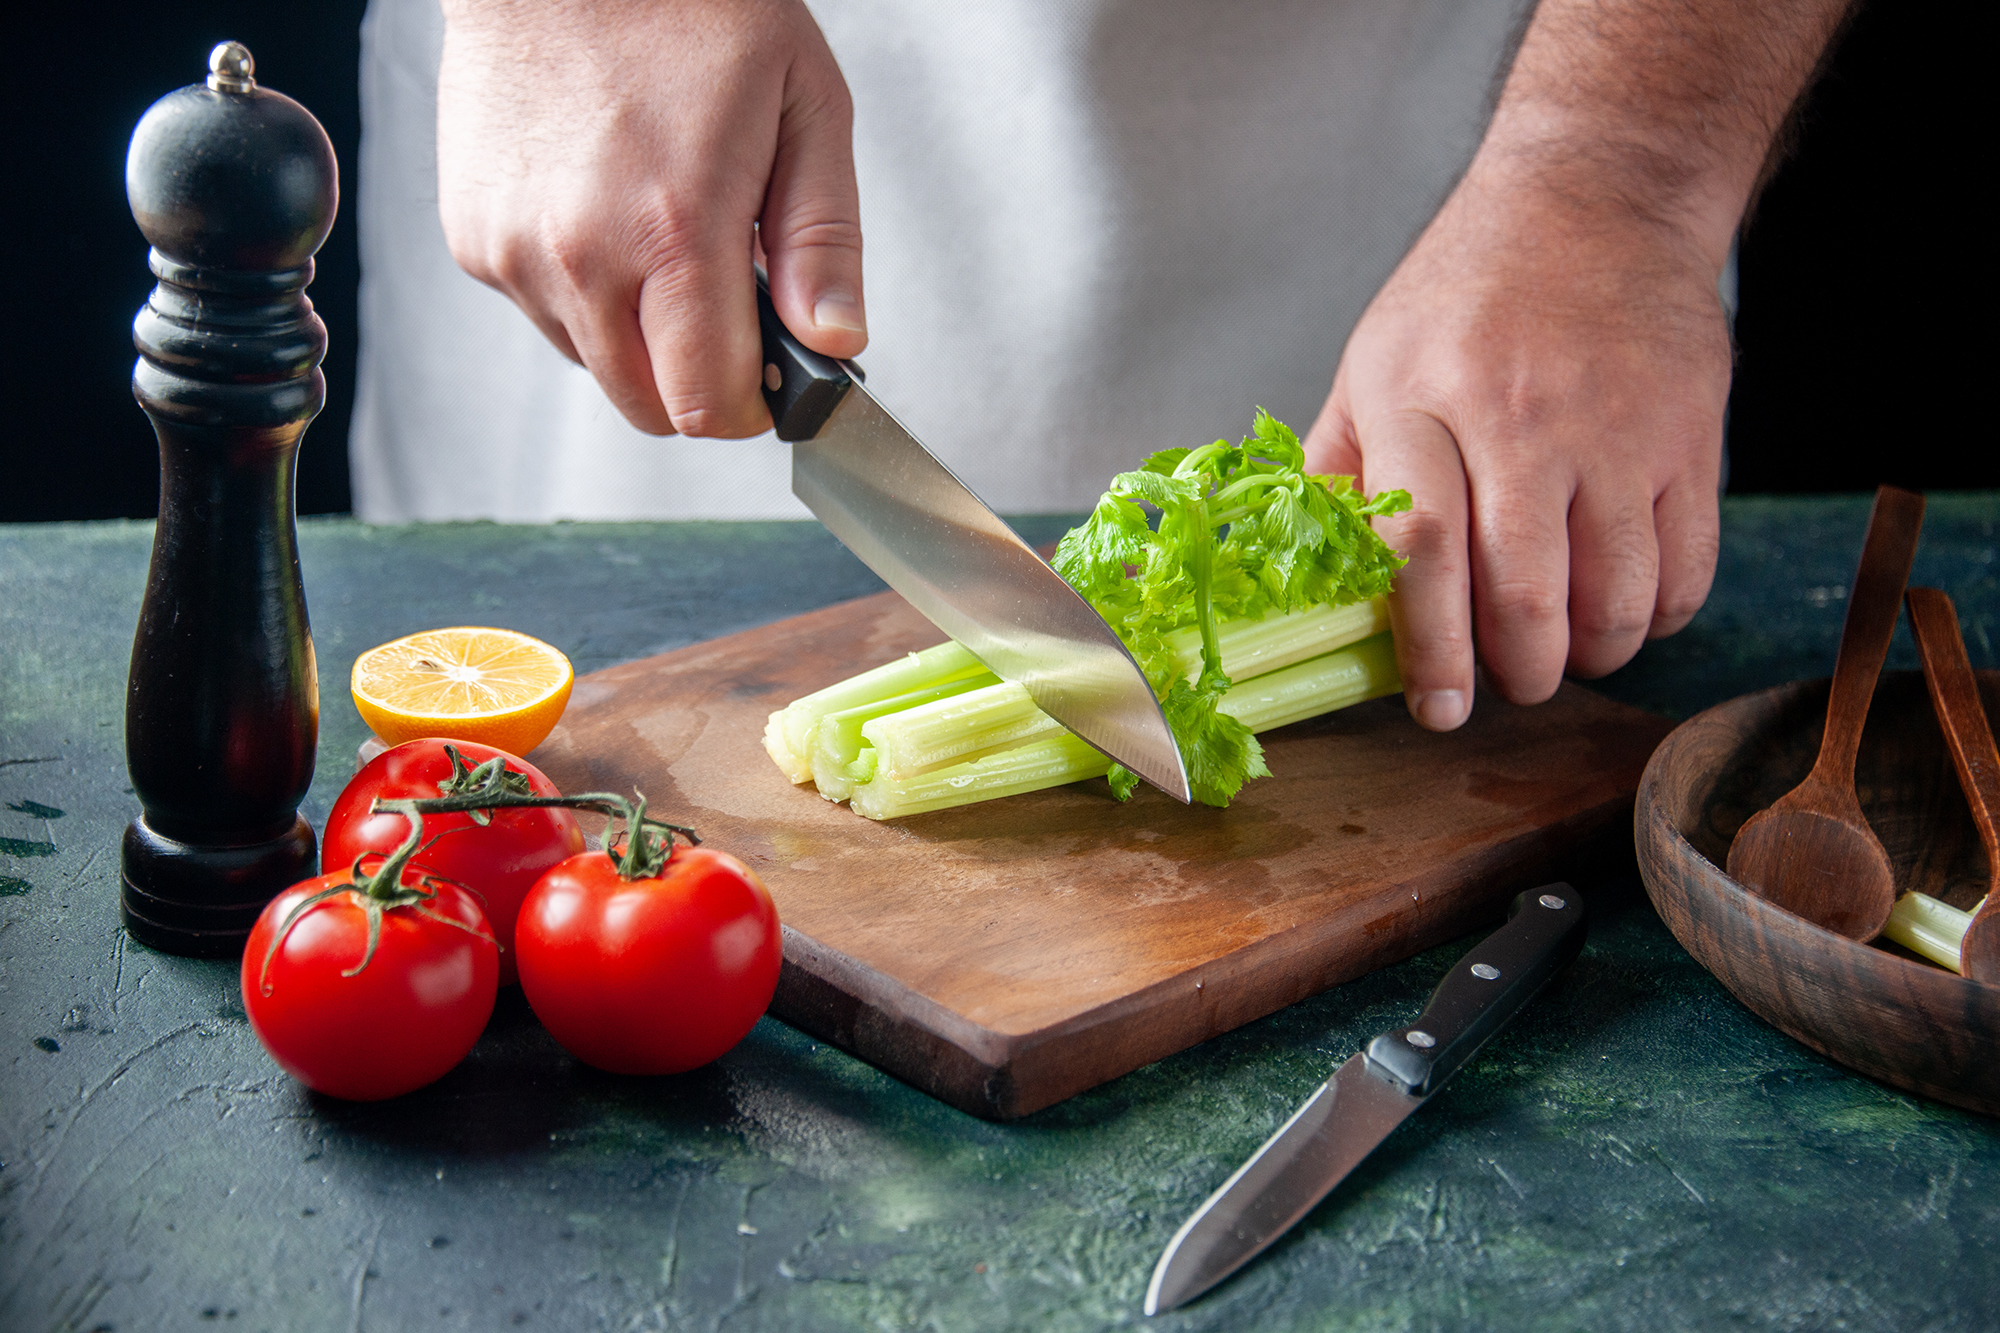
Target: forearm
1653, 111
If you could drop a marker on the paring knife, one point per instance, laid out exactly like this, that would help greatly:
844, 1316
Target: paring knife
1369, 1096
910, 520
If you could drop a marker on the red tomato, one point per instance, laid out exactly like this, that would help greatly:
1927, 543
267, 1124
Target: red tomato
649, 976
400, 1022
499, 861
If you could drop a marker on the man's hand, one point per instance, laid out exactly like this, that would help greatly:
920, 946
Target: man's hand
1550, 393
612, 165
1546, 371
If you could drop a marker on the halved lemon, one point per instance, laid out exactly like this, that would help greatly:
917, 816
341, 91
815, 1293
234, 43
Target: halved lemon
470, 683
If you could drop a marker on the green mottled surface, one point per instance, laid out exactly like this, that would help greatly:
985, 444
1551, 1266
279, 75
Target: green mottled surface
1636, 1152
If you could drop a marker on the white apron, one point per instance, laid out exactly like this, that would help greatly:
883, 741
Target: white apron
1092, 229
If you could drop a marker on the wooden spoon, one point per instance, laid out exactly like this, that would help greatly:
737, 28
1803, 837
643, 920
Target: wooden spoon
1812, 853
1955, 695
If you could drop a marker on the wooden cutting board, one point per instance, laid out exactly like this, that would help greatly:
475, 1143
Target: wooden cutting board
1010, 954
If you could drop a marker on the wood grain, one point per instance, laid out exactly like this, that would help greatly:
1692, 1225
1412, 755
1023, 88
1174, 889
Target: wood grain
1812, 852
1874, 1007
1007, 955
1873, 604
1955, 698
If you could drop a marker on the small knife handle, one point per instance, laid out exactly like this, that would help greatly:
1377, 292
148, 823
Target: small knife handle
801, 387
1544, 931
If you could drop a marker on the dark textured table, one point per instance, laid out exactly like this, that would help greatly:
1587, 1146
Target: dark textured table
1637, 1152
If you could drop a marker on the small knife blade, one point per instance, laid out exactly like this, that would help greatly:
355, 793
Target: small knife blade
1368, 1096
905, 515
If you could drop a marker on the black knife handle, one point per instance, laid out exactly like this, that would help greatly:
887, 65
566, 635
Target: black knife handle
801, 387
1544, 931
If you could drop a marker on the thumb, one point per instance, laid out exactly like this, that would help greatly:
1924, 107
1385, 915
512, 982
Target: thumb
811, 226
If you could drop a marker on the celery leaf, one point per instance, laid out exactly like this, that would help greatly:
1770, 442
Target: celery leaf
1242, 530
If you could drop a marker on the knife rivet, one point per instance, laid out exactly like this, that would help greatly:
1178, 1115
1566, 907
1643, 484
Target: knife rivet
1553, 903
1419, 1038
774, 379
1485, 971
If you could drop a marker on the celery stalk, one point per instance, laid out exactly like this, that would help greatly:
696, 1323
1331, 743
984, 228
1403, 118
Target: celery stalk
1252, 648
791, 728
939, 714
1051, 762
1002, 716
955, 729
837, 741
796, 766
1366, 670
1923, 925
1053, 757
912, 742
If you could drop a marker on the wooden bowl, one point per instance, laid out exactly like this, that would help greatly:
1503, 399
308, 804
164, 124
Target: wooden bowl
1872, 1007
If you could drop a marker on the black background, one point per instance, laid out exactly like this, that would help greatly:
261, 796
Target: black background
1854, 357
75, 445
1851, 359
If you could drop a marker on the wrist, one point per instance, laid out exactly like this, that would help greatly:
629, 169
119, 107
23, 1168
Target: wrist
1641, 113
1584, 174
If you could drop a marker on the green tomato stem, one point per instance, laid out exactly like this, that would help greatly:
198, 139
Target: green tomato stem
649, 842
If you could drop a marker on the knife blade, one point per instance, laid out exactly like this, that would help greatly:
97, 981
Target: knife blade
904, 514
1368, 1096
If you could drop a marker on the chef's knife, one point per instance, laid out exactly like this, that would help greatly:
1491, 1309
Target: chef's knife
910, 520
1369, 1096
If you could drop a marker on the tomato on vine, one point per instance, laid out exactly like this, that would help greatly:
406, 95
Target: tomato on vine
651, 961
498, 854
647, 960
369, 985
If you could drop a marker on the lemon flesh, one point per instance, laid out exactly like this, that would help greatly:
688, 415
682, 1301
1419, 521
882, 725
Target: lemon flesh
473, 683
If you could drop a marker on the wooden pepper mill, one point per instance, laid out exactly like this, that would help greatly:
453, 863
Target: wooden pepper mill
235, 188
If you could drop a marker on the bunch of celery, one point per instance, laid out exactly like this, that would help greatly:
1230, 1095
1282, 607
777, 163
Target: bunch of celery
1255, 572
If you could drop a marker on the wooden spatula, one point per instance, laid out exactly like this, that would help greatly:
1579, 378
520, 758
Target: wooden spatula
1813, 853
1955, 695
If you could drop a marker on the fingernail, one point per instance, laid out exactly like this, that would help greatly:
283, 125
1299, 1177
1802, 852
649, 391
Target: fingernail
1440, 710
836, 310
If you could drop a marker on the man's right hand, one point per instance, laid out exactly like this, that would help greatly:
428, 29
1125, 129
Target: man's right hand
612, 165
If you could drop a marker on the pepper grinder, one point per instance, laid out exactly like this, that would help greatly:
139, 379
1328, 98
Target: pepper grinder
234, 187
